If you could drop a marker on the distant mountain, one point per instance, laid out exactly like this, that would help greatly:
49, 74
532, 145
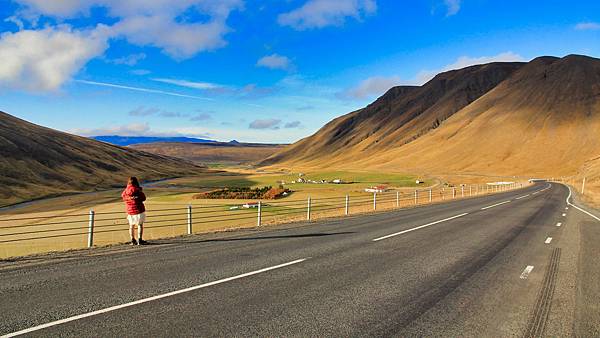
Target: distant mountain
536, 118
38, 162
232, 152
129, 140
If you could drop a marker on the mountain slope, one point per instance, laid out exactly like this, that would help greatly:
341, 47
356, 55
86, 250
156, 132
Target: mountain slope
542, 119
403, 114
212, 152
37, 161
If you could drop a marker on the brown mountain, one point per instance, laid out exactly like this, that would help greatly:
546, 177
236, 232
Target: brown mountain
36, 161
535, 118
212, 152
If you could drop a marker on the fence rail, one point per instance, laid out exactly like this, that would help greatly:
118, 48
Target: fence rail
197, 218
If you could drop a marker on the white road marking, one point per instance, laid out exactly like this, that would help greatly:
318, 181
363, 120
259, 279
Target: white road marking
580, 209
558, 224
420, 227
548, 240
495, 205
564, 214
518, 198
535, 193
149, 299
526, 272
566, 208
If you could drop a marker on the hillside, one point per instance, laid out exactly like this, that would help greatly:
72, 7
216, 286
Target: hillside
213, 152
36, 161
538, 118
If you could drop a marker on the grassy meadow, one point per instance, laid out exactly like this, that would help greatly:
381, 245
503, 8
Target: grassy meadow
50, 220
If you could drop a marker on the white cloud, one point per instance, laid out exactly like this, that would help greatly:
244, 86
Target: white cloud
583, 26
140, 72
140, 89
129, 60
143, 111
453, 6
155, 23
376, 85
265, 124
42, 60
293, 124
132, 129
322, 13
274, 61
466, 61
189, 84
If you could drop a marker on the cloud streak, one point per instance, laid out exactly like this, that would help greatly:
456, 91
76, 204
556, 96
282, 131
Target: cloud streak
140, 89
587, 26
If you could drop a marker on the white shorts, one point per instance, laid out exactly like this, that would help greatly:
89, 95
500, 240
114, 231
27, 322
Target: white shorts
136, 219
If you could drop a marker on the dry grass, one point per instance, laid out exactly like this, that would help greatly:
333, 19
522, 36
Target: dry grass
167, 217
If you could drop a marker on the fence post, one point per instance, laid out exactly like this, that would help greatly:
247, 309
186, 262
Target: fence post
91, 230
259, 220
347, 204
453, 192
583, 187
462, 191
430, 196
470, 190
189, 217
374, 201
416, 197
308, 210
397, 199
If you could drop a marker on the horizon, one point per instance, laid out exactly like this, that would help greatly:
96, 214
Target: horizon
242, 71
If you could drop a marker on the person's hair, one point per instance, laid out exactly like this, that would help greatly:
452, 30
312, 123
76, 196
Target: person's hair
133, 181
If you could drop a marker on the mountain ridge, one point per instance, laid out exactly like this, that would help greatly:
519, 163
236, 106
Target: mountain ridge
497, 118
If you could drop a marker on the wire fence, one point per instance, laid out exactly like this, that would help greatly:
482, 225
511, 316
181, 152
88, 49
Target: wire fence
26, 235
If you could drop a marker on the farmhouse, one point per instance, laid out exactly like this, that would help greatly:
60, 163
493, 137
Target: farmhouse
377, 188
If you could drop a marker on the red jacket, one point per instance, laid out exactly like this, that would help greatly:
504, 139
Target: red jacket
134, 200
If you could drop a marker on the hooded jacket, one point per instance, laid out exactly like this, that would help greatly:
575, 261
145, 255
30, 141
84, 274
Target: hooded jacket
134, 199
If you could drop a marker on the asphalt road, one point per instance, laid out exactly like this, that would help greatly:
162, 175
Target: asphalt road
453, 269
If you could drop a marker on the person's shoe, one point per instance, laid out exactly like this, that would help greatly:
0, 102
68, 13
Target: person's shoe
142, 242
133, 242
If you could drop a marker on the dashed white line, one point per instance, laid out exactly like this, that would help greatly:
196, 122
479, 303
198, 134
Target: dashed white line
564, 214
526, 272
494, 205
558, 224
518, 198
566, 208
548, 240
149, 299
419, 227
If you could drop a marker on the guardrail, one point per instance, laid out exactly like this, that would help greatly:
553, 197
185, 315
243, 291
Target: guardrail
85, 229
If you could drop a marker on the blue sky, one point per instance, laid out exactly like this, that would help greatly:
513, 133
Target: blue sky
256, 71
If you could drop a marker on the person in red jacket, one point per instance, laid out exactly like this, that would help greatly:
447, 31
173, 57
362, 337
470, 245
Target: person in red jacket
134, 198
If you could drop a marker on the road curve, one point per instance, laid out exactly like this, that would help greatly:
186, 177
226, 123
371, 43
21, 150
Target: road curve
492, 266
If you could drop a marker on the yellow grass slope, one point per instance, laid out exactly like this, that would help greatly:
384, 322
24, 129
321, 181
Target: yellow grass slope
38, 162
542, 119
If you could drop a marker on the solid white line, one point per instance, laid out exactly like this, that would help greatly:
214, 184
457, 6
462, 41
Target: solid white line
558, 224
548, 240
580, 209
495, 205
518, 198
149, 299
419, 227
526, 272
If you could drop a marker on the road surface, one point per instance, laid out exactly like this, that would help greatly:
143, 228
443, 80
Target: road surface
520, 263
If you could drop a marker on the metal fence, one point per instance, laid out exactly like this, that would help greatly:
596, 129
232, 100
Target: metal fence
72, 231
